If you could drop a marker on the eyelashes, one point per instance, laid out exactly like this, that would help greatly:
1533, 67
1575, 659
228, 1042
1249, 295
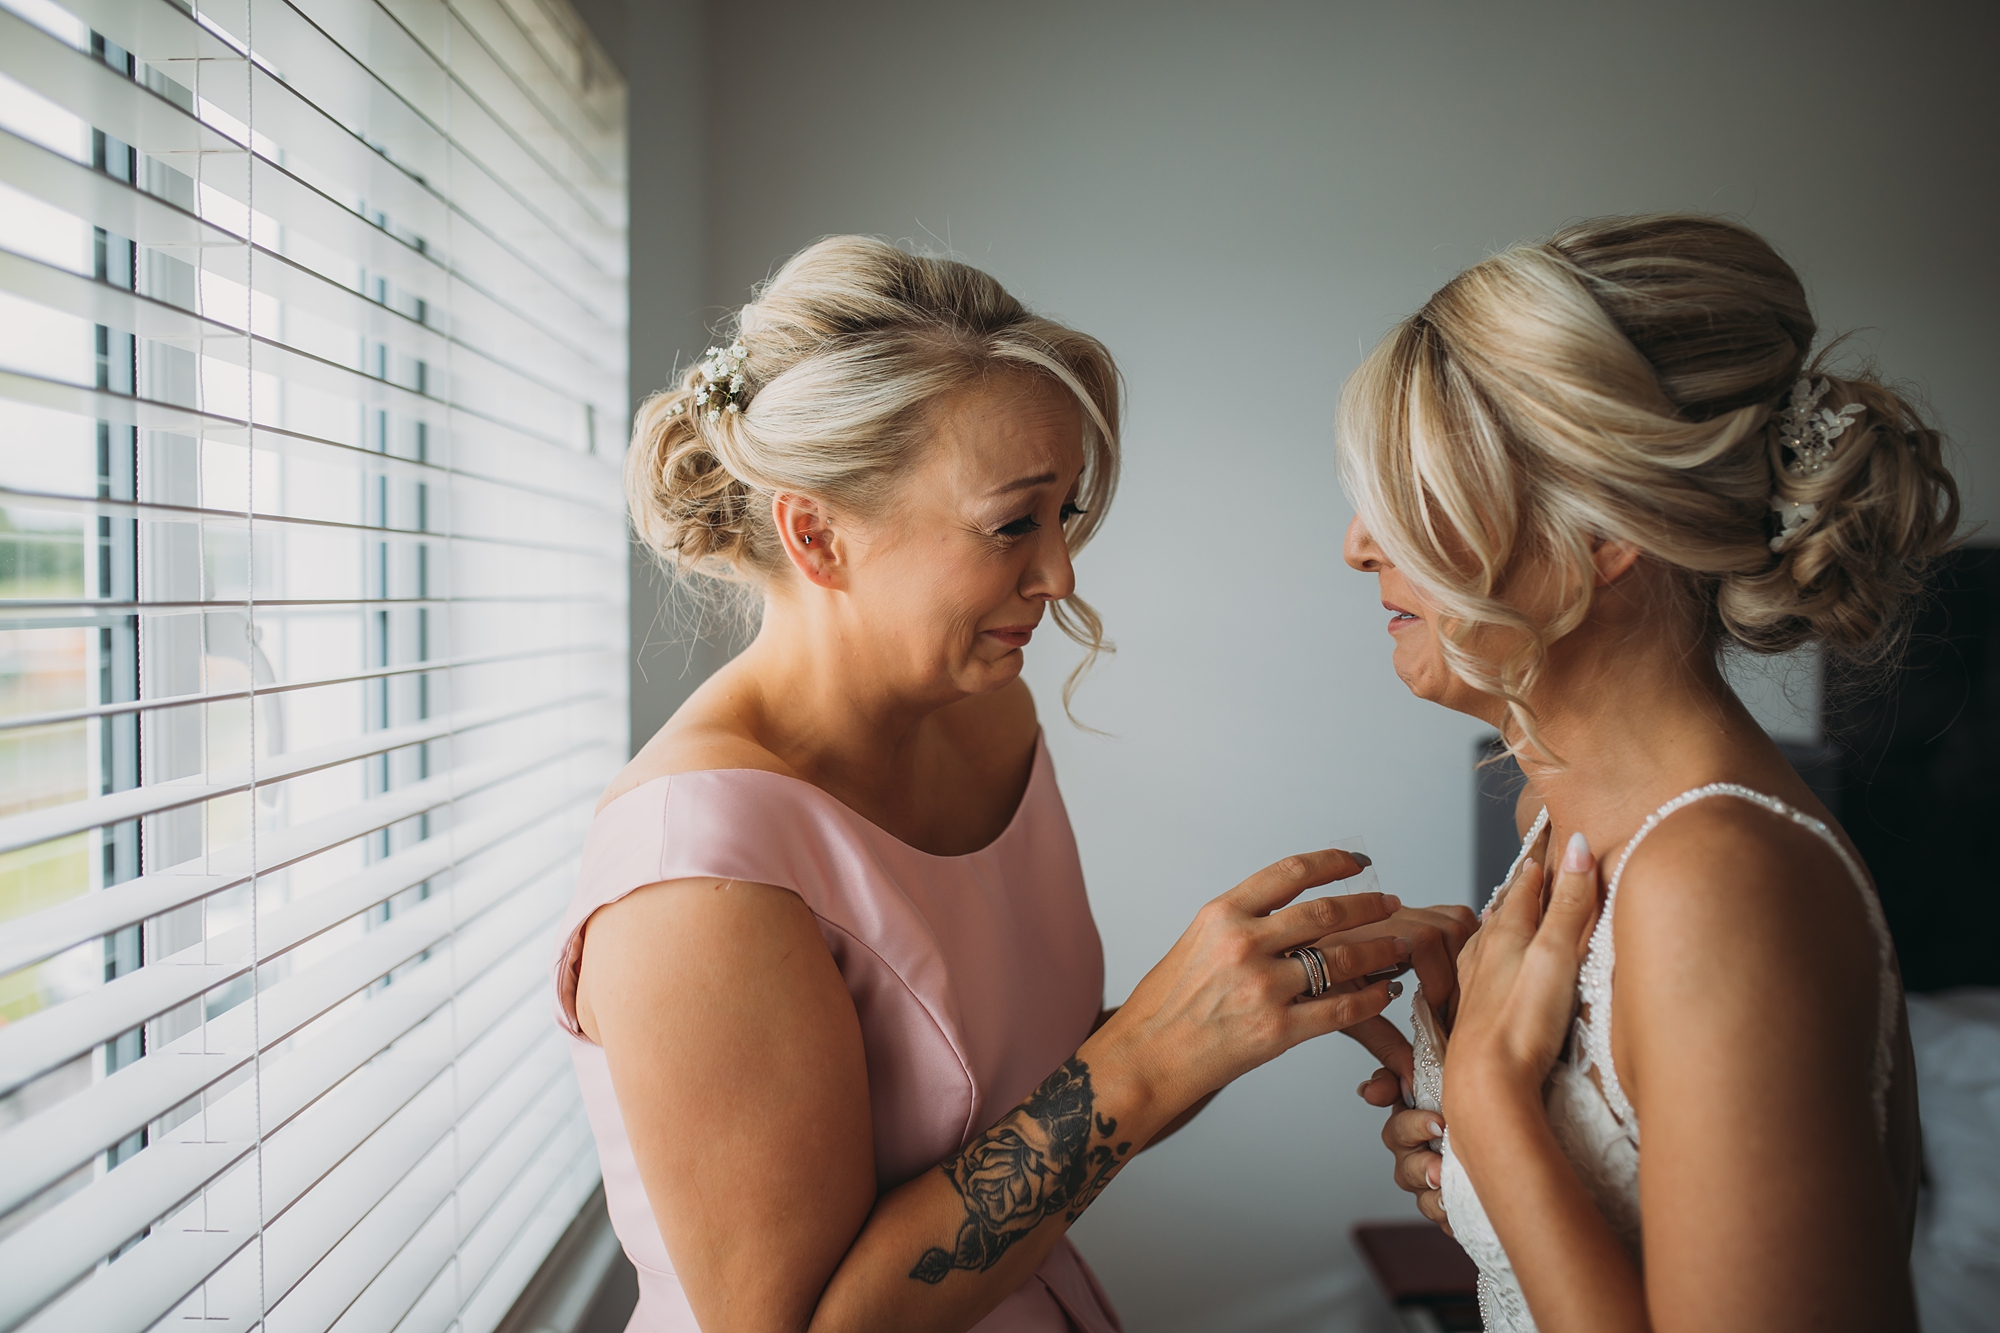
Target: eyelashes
1027, 524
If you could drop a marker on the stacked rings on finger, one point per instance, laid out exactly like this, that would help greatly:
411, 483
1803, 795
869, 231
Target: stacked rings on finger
1318, 980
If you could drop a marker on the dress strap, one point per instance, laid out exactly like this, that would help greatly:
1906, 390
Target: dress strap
1594, 985
1534, 832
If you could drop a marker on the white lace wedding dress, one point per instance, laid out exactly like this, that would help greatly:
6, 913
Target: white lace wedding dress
1592, 1120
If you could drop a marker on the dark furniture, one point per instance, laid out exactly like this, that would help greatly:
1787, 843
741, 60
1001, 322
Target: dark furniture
1918, 746
1424, 1274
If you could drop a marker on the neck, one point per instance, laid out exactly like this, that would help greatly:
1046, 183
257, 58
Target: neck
1619, 760
826, 700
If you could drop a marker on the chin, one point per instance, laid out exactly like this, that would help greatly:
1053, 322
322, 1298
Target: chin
1426, 678
1005, 671
1413, 670
983, 676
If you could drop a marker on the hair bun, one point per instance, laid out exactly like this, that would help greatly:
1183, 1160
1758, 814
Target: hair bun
1884, 507
685, 504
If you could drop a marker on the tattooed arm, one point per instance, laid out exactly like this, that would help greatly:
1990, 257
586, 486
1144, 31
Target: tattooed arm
744, 1091
1036, 1163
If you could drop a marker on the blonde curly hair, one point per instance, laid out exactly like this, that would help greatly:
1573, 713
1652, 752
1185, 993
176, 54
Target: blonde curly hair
1620, 380
847, 352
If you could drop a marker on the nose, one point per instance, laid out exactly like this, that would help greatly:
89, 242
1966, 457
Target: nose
1359, 549
1049, 577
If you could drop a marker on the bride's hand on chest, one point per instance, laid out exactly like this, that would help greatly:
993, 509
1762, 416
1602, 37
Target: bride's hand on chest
1517, 981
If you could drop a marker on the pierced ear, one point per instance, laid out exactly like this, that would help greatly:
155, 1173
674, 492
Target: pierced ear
808, 539
1612, 559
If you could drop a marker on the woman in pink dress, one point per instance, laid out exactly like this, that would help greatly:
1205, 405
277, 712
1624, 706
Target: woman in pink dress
832, 979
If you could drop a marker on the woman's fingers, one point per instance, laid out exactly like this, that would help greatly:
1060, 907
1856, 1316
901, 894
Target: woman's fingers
1277, 884
1420, 1171
1412, 1131
1527, 883
1380, 1088
1386, 1042
1519, 975
1313, 920
1342, 1009
1350, 959
1518, 913
1408, 1135
1436, 936
1573, 903
1431, 1204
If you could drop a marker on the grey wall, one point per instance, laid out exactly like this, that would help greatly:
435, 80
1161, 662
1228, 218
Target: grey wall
1240, 199
658, 44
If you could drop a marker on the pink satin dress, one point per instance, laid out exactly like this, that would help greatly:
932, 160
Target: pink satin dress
974, 977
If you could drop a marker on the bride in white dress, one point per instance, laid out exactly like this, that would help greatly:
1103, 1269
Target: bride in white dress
1583, 471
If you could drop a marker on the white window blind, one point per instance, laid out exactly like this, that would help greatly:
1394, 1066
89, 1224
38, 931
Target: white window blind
312, 635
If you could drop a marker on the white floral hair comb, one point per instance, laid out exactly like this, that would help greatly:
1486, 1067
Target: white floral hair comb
1808, 432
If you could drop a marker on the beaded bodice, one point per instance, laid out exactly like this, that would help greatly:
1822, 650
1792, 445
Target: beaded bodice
1591, 1117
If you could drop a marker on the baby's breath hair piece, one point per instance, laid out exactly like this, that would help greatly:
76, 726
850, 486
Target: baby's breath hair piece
721, 384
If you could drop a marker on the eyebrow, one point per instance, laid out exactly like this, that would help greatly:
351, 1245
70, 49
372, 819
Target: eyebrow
1023, 483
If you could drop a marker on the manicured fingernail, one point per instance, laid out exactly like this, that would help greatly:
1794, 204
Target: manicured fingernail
1392, 902
1395, 990
1362, 859
1361, 1088
1403, 947
1436, 1132
1432, 1176
1576, 859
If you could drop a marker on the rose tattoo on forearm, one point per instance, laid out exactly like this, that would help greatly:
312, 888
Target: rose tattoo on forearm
1032, 1165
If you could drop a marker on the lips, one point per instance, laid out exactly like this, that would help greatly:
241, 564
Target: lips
1014, 636
1399, 618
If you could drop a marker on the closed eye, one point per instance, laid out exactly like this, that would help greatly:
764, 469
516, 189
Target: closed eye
1026, 523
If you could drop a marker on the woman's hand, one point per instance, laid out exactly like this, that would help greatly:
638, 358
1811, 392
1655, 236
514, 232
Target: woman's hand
1408, 1136
1439, 935
1436, 936
1517, 981
1225, 1000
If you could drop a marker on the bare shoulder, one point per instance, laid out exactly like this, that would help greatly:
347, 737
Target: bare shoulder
712, 730
1726, 894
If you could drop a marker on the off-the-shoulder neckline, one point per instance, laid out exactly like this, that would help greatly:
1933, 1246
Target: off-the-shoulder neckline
1035, 771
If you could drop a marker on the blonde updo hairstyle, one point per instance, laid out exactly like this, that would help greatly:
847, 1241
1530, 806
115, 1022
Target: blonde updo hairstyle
1621, 380
848, 351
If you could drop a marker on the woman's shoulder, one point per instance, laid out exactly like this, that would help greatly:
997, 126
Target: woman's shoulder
1723, 851
1735, 892
691, 750
1730, 857
711, 731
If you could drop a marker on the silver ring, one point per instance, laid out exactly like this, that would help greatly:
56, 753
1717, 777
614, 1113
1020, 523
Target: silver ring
1318, 979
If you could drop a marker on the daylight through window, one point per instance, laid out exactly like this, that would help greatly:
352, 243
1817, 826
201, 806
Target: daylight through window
312, 376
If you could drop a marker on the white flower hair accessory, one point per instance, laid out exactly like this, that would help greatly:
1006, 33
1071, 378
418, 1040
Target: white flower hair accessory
1807, 431
720, 382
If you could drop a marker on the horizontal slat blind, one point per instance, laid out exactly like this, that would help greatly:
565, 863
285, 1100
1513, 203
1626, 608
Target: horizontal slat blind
312, 633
